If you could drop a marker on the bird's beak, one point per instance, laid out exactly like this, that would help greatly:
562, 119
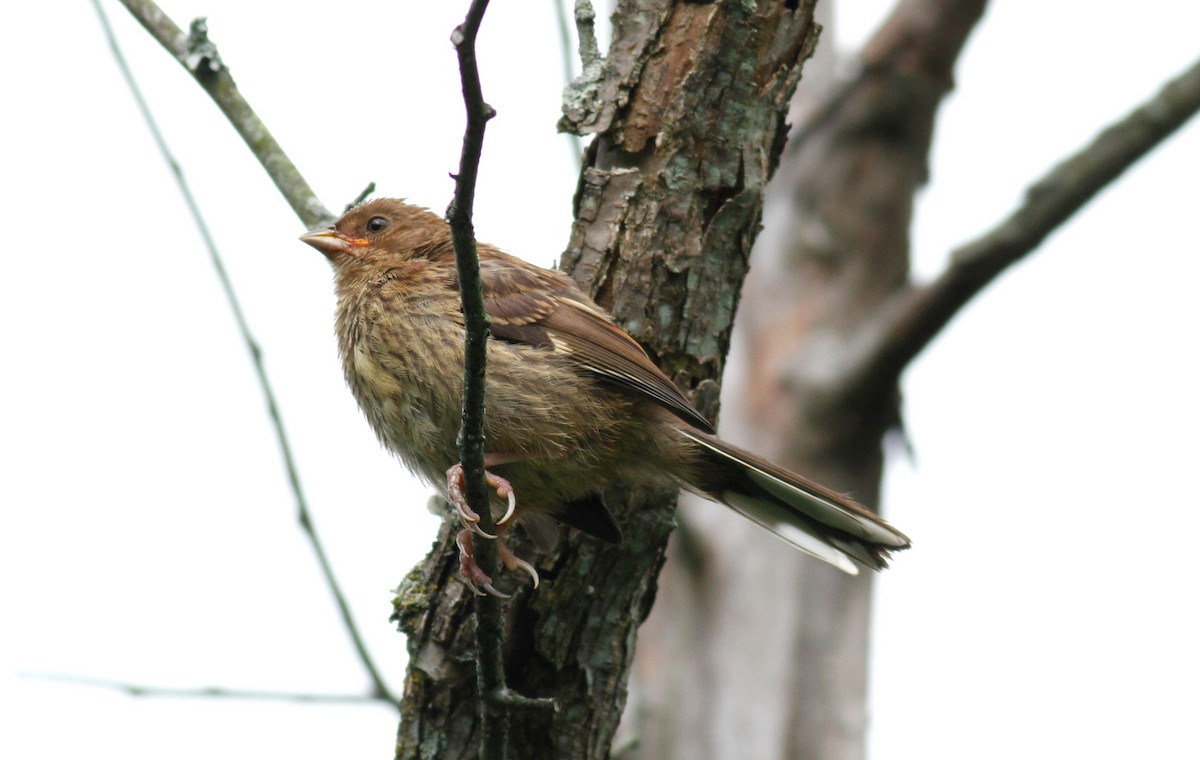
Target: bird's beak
329, 241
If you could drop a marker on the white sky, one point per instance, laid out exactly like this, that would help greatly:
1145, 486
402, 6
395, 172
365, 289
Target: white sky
148, 534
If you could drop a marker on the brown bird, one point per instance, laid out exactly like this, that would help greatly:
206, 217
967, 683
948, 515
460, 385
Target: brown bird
573, 403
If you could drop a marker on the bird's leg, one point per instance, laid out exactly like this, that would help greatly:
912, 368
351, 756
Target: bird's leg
476, 579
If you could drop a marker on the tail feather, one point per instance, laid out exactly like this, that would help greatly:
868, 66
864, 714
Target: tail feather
814, 519
778, 520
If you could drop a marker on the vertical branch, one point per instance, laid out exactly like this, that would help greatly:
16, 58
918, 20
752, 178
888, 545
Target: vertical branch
495, 697
459, 215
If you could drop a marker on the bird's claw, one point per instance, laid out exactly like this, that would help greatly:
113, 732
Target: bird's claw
512, 502
469, 518
478, 581
474, 528
514, 563
486, 590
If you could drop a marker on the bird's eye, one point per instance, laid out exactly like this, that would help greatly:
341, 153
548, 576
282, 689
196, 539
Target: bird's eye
377, 224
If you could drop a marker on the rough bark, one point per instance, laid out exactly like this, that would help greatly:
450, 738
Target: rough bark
689, 115
793, 684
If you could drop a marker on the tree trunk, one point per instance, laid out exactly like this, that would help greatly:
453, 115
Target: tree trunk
755, 651
689, 116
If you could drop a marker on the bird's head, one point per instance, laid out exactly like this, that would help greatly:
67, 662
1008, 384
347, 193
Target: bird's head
381, 232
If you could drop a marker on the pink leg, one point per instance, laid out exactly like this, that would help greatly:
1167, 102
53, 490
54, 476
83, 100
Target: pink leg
475, 578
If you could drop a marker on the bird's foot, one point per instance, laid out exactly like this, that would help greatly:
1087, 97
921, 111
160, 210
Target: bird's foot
469, 518
477, 580
480, 582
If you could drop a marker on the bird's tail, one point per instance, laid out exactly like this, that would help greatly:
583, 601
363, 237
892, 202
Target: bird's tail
814, 519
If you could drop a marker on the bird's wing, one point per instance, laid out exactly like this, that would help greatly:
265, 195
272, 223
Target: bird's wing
543, 308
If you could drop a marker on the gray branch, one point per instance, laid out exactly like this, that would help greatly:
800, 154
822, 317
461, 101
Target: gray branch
196, 53
917, 314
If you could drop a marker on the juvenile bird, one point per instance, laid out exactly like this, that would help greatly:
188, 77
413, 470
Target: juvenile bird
573, 403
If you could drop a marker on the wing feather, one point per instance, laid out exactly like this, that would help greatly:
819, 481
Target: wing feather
544, 308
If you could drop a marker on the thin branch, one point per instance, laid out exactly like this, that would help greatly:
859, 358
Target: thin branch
920, 313
380, 690
196, 53
203, 692
489, 628
495, 696
366, 193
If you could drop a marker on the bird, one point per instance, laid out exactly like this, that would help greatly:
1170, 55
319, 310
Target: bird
573, 403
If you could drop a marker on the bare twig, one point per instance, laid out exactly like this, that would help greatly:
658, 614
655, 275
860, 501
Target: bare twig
380, 690
366, 193
196, 53
202, 692
918, 314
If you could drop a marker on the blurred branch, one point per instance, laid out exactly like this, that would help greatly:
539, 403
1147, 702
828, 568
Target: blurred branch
366, 193
919, 313
139, 690
564, 43
380, 690
196, 53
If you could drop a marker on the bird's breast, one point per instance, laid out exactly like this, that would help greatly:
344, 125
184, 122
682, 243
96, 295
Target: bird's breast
398, 369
